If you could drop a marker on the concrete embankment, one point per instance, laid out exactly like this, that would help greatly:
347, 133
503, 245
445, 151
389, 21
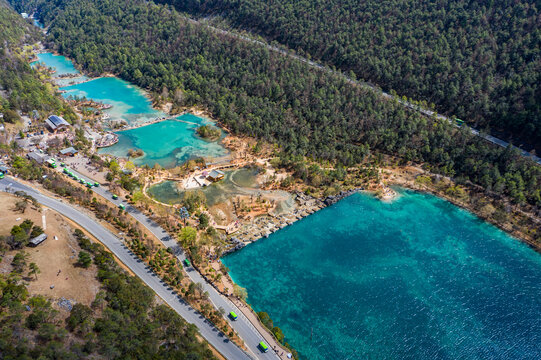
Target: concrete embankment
265, 225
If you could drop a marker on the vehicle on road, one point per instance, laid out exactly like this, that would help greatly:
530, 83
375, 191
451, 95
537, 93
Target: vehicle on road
82, 181
187, 263
115, 197
263, 347
1, 175
52, 163
233, 316
96, 184
89, 184
122, 207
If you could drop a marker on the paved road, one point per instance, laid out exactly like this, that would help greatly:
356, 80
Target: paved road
242, 326
139, 268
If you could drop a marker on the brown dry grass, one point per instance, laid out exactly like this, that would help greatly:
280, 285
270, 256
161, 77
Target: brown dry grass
74, 283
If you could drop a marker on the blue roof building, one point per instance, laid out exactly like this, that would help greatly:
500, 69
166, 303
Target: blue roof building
56, 122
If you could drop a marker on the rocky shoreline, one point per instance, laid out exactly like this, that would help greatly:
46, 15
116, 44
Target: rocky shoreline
263, 226
108, 139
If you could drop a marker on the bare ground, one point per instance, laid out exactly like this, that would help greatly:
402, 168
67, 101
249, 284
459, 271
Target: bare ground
72, 282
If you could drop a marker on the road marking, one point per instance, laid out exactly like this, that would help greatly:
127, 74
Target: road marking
43, 220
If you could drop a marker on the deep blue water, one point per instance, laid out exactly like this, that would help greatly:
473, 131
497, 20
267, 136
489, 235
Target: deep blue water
417, 278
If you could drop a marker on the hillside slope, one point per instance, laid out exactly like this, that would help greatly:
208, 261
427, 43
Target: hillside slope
21, 88
477, 60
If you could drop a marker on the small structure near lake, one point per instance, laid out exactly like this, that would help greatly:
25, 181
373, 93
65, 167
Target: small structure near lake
38, 157
55, 122
71, 151
216, 175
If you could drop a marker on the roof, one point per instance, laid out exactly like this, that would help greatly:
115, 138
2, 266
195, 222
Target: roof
216, 173
55, 122
69, 150
38, 239
40, 158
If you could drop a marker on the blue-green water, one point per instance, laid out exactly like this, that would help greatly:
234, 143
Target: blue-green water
38, 24
417, 278
235, 182
129, 101
168, 143
62, 65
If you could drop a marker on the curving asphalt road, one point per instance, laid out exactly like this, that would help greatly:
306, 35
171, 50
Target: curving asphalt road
242, 326
139, 268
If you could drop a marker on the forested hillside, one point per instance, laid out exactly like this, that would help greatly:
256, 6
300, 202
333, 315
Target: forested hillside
271, 96
20, 86
478, 60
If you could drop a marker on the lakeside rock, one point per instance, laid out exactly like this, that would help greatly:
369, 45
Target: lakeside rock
333, 199
264, 226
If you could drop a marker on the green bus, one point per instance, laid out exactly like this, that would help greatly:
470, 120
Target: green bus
1, 175
233, 316
187, 263
96, 184
122, 207
263, 347
115, 197
82, 181
459, 122
89, 184
52, 163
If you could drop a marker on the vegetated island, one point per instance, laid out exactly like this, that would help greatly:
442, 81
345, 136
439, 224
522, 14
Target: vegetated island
135, 153
209, 132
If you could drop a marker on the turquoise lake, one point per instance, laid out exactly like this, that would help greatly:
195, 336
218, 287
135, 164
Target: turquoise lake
168, 143
62, 65
37, 23
129, 101
417, 278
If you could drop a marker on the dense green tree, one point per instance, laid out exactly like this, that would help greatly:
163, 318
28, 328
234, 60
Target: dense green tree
84, 259
187, 236
21, 89
78, 314
203, 221
19, 262
265, 319
477, 60
309, 112
19, 237
33, 269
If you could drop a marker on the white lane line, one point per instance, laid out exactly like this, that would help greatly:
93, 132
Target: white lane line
43, 220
